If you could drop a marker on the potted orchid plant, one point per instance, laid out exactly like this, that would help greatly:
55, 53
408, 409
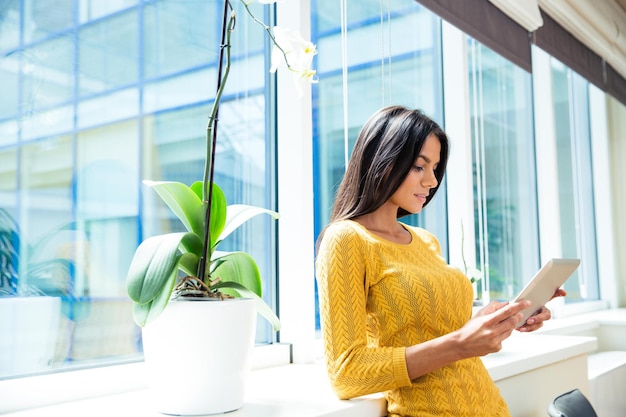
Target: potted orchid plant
170, 271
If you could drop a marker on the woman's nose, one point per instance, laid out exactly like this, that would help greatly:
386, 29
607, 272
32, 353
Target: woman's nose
430, 180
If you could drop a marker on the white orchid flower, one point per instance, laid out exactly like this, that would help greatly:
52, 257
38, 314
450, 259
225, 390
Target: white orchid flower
304, 78
291, 47
295, 52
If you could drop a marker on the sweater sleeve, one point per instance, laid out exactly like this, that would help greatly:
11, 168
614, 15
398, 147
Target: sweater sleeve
354, 368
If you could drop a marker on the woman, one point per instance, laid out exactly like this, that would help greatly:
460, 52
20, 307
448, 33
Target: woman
395, 317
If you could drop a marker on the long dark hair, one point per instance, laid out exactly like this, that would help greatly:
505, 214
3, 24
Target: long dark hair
385, 150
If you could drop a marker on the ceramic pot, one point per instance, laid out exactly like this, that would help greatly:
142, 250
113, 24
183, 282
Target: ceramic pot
197, 354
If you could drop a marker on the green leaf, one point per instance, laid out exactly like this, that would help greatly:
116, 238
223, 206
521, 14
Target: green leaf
238, 214
183, 202
192, 243
145, 313
262, 307
188, 263
218, 209
153, 267
241, 268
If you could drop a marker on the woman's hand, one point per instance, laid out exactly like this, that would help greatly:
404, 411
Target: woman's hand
484, 333
535, 321
481, 335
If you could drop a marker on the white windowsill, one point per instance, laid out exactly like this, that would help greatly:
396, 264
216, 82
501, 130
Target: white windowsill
78, 385
291, 390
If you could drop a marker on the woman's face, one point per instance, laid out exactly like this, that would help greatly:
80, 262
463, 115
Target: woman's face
412, 193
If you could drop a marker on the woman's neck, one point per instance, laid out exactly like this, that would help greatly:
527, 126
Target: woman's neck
385, 225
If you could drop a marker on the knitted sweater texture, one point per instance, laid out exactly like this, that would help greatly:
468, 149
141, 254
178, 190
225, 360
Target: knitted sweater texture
376, 298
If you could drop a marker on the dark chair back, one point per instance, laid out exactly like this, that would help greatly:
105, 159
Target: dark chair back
571, 404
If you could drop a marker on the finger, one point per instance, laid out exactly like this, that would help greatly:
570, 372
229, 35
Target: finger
559, 293
490, 308
509, 317
530, 327
502, 327
542, 315
507, 326
497, 305
511, 309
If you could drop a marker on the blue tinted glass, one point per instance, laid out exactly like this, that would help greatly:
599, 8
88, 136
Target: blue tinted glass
177, 37
95, 9
576, 212
47, 73
406, 72
9, 99
108, 53
10, 20
81, 127
45, 18
505, 192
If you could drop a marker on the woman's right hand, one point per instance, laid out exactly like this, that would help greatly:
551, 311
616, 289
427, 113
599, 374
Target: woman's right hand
484, 333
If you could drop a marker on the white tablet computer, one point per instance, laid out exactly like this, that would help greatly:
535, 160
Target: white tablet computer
544, 284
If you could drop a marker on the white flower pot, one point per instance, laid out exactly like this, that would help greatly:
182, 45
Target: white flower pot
197, 354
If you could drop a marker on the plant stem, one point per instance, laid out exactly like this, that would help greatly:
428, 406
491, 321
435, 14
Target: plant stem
269, 33
228, 24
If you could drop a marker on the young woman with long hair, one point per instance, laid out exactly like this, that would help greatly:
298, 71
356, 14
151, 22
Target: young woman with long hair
395, 317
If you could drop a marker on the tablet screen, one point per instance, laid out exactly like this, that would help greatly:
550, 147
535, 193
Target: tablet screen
544, 284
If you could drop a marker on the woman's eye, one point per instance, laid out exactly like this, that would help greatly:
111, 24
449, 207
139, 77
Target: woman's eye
417, 168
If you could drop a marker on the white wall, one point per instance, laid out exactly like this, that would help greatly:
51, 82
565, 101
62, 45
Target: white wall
617, 149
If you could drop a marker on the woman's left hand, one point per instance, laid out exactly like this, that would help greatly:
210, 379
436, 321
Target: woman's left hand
535, 321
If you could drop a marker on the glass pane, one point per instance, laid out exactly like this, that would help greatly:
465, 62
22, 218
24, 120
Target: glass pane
9, 99
177, 91
577, 216
44, 18
55, 121
43, 259
46, 181
48, 74
9, 233
407, 72
8, 132
327, 14
107, 208
94, 9
505, 189
9, 24
110, 108
77, 138
108, 53
177, 36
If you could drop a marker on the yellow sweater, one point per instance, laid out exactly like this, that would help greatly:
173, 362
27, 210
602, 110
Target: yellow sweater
378, 297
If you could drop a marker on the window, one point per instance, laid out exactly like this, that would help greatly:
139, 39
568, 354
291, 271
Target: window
404, 69
94, 9
613, 240
505, 205
570, 97
108, 53
177, 38
95, 99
